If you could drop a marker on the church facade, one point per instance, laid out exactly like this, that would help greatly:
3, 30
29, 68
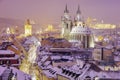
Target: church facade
76, 31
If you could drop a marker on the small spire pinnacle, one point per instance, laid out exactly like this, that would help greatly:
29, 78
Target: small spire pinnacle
66, 10
78, 11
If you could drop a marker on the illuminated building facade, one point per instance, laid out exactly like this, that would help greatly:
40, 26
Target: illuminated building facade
28, 28
104, 26
50, 31
82, 35
10, 30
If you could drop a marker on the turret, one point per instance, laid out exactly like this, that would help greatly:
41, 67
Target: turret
66, 9
66, 14
78, 14
66, 24
78, 11
78, 20
28, 28
28, 22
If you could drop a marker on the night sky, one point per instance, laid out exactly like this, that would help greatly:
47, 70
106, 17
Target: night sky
50, 11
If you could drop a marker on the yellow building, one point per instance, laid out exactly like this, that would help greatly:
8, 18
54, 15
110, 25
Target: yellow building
10, 30
50, 28
28, 28
50, 31
104, 26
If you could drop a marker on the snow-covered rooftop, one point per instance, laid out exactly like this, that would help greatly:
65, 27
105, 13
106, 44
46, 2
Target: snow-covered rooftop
20, 75
6, 52
9, 58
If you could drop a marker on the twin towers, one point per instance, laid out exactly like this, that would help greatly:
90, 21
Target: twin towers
67, 23
78, 13
76, 31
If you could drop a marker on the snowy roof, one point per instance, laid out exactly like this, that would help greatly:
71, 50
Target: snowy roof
14, 47
60, 49
55, 57
47, 63
75, 71
51, 71
20, 75
102, 74
112, 75
44, 53
9, 58
67, 74
63, 57
109, 47
6, 52
116, 58
44, 58
75, 40
32, 40
80, 30
2, 69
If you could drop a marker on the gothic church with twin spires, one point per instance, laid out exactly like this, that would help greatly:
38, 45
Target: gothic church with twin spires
67, 23
76, 31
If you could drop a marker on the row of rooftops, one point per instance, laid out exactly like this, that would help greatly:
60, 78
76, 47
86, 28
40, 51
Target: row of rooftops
54, 39
70, 72
4, 45
74, 72
8, 54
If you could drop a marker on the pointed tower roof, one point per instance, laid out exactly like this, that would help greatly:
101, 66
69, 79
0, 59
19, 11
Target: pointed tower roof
28, 21
78, 11
66, 9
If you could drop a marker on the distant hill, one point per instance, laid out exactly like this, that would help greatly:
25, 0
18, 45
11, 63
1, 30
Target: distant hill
7, 22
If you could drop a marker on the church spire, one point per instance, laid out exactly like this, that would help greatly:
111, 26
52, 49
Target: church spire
78, 14
66, 9
28, 21
78, 11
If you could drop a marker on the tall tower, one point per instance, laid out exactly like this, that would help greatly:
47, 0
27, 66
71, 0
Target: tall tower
28, 28
78, 18
66, 24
